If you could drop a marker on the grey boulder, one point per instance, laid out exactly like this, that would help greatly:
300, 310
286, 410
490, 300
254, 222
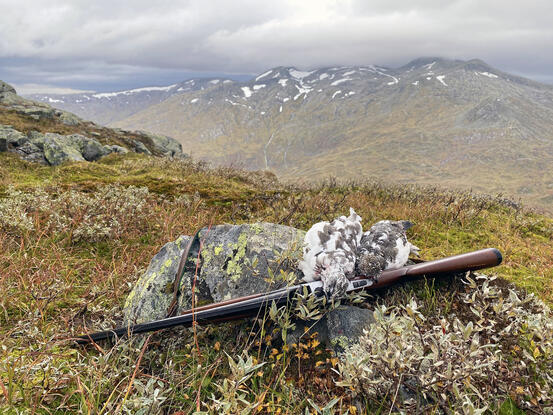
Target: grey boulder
12, 136
234, 262
164, 144
139, 147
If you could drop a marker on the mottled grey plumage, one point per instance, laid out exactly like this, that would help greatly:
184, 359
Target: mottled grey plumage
384, 246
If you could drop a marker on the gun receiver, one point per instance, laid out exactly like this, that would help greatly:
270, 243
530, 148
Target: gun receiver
252, 305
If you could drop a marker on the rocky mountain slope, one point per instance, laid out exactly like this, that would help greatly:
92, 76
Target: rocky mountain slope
456, 123
39, 133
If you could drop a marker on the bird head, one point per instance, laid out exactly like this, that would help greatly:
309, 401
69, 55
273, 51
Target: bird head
334, 281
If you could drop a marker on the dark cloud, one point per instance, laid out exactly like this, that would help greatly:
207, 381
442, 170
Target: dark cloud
107, 44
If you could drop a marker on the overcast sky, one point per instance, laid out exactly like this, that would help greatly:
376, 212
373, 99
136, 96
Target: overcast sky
106, 45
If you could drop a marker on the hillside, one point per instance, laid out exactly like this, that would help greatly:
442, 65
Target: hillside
42, 134
461, 124
75, 237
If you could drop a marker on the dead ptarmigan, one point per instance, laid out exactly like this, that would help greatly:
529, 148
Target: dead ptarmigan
329, 253
384, 246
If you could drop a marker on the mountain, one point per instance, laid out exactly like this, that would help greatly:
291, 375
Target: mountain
460, 124
107, 107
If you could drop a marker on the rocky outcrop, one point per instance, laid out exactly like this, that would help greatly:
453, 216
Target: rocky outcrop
52, 149
236, 260
6, 89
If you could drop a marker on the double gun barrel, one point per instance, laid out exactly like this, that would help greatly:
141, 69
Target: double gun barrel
255, 304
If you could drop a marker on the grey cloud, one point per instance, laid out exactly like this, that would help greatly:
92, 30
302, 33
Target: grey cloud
112, 41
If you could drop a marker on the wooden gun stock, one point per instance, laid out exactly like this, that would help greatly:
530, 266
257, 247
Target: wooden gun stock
253, 304
471, 261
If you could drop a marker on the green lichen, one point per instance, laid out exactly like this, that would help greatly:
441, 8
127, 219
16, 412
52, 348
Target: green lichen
206, 254
256, 228
217, 250
340, 341
234, 266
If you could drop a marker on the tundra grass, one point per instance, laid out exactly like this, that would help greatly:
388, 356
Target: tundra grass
55, 284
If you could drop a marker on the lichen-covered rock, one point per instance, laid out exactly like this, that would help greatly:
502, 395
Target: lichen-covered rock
152, 294
346, 324
68, 118
12, 136
91, 149
139, 147
53, 148
235, 261
30, 152
59, 148
164, 144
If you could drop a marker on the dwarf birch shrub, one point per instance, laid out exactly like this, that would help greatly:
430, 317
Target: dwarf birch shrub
501, 346
90, 217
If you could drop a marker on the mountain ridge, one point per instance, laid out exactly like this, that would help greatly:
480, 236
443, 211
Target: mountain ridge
432, 121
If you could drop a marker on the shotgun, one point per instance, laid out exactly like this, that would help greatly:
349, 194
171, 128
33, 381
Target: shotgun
251, 305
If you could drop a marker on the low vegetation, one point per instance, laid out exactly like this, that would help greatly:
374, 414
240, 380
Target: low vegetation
74, 238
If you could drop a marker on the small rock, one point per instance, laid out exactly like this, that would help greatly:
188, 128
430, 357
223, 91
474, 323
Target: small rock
345, 325
117, 149
30, 152
91, 149
337, 329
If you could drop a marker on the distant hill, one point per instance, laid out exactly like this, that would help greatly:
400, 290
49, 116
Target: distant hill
433, 121
108, 107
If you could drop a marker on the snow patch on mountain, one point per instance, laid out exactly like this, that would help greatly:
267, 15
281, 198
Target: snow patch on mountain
133, 91
263, 75
488, 74
339, 81
294, 73
441, 79
247, 91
